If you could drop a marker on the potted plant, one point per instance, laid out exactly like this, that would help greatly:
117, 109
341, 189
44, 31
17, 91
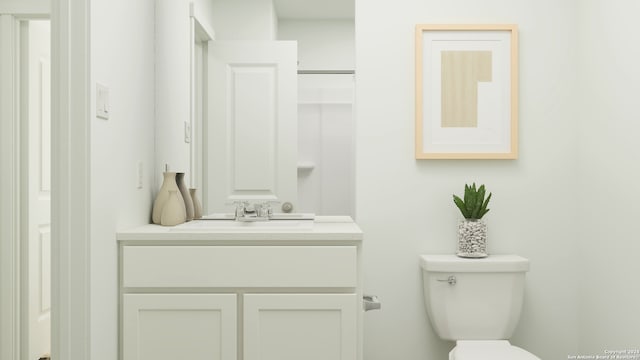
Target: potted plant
472, 230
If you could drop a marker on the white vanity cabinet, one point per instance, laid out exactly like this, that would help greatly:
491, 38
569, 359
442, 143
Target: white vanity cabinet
231, 295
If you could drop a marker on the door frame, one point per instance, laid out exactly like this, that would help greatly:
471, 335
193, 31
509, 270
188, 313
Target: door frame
70, 182
70, 179
13, 210
199, 33
9, 190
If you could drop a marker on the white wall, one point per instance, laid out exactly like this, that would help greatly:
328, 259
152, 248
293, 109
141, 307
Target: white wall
608, 200
173, 81
245, 20
405, 207
28, 7
322, 44
122, 58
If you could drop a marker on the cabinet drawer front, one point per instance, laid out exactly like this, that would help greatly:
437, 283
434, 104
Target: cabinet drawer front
239, 266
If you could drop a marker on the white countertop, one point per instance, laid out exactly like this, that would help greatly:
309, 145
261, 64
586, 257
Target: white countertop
323, 228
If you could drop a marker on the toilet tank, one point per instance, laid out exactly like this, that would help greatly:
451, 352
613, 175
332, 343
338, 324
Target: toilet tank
473, 299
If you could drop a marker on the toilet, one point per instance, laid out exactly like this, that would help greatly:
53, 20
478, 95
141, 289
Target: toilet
476, 303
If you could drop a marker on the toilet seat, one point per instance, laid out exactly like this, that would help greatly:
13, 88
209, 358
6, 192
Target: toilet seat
489, 350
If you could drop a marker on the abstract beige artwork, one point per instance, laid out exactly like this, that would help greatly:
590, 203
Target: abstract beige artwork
461, 72
466, 95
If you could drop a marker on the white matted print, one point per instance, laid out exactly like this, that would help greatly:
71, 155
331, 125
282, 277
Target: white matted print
466, 92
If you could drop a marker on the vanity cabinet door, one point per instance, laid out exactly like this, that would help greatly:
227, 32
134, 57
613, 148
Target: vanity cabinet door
179, 326
300, 326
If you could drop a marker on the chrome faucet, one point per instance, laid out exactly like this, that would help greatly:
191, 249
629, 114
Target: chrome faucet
246, 211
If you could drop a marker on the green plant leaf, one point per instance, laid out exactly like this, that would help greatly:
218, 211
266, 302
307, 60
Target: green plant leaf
477, 206
484, 206
470, 199
481, 192
460, 204
467, 193
474, 205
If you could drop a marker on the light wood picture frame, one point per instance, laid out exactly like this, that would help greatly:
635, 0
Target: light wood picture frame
466, 92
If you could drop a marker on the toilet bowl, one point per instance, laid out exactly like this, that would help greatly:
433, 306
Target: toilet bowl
489, 350
476, 303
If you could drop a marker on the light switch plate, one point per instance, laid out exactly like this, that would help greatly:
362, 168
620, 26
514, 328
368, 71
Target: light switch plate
187, 132
102, 101
140, 175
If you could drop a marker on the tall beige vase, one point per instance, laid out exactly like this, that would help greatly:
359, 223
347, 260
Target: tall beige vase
186, 196
197, 206
173, 211
168, 183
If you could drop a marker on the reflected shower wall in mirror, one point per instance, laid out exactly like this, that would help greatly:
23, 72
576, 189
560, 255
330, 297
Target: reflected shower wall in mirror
325, 144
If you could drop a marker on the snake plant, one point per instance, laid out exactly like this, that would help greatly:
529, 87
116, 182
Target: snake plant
474, 205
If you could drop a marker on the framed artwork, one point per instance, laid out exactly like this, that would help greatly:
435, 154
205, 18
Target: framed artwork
466, 92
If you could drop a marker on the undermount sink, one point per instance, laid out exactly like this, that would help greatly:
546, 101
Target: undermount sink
232, 225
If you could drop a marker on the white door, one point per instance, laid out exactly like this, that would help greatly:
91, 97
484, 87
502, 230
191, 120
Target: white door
37, 44
179, 326
252, 132
300, 326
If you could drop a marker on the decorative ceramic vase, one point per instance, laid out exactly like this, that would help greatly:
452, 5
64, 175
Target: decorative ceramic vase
169, 183
188, 203
472, 238
197, 206
173, 211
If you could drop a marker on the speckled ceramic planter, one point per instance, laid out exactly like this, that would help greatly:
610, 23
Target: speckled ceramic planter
472, 238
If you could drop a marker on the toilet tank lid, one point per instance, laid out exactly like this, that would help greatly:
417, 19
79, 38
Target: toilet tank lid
492, 263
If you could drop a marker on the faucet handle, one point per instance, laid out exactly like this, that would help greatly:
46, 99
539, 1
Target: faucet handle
240, 207
263, 209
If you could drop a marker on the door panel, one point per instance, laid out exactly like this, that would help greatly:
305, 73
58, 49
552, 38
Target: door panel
300, 326
252, 134
179, 326
36, 47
